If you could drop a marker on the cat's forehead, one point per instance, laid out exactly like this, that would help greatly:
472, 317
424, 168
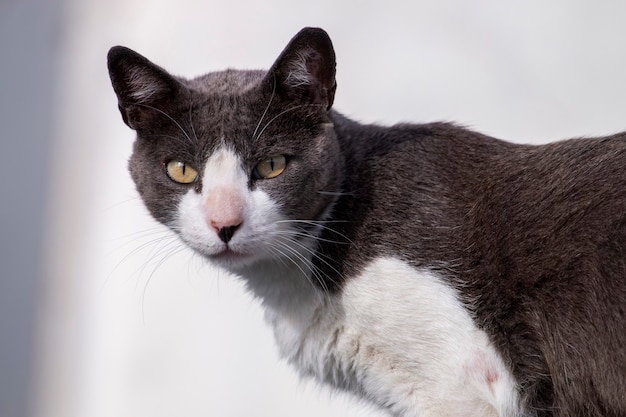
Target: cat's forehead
229, 82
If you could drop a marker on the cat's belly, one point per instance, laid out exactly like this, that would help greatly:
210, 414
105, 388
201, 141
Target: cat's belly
400, 337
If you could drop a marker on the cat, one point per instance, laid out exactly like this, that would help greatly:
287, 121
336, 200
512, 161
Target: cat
428, 269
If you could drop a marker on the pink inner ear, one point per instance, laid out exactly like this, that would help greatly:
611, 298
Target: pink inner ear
224, 208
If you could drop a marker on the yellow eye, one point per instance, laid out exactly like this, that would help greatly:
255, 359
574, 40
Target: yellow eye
270, 167
181, 172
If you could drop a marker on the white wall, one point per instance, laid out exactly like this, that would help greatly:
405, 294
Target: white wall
131, 323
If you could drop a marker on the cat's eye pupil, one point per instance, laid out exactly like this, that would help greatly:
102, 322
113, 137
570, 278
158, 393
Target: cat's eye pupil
181, 172
270, 167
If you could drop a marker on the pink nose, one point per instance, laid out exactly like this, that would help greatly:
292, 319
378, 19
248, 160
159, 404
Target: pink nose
224, 210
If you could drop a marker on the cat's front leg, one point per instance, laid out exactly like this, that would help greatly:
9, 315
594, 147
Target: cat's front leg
414, 349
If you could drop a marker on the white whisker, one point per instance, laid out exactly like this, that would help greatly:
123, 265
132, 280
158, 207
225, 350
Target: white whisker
321, 224
284, 112
162, 234
309, 236
277, 246
169, 117
165, 254
315, 255
254, 137
193, 130
336, 193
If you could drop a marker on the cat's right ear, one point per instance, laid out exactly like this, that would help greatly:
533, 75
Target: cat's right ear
143, 89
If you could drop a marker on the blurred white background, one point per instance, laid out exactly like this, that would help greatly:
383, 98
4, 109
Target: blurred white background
103, 313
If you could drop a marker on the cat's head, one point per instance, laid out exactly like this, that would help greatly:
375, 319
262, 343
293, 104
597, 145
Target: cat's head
242, 165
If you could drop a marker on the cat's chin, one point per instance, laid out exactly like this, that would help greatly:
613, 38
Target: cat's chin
231, 260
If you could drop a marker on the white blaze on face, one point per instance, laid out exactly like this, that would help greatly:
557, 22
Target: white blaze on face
226, 217
224, 190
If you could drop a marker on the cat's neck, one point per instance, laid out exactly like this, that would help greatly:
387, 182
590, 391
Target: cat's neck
290, 299
294, 291
291, 290
285, 288
354, 138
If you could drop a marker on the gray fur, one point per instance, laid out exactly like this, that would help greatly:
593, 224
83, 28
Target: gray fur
533, 237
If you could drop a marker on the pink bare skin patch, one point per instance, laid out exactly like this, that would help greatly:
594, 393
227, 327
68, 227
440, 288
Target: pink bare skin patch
224, 208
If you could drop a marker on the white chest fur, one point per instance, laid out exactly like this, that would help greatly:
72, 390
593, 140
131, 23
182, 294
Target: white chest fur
394, 335
399, 337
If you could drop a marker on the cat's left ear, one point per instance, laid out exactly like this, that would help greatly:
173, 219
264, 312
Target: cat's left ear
305, 70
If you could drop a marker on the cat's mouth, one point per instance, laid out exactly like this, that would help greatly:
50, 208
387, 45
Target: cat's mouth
229, 257
223, 255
